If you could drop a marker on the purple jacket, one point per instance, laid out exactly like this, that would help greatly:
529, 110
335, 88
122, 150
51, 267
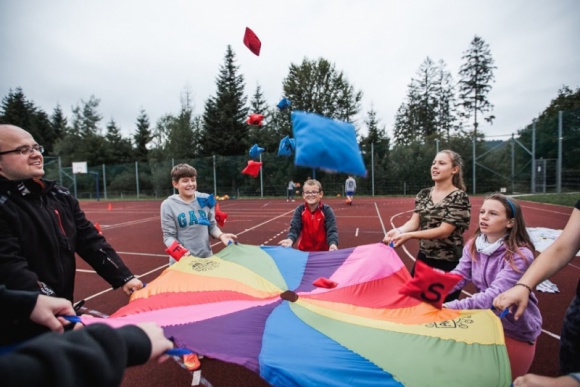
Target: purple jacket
492, 275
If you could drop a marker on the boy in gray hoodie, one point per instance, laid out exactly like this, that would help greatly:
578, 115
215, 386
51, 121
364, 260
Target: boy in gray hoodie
188, 217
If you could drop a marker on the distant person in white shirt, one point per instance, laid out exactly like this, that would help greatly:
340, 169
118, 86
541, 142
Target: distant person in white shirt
290, 190
349, 189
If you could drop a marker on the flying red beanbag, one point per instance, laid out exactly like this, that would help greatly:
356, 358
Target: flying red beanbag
253, 168
220, 217
252, 42
255, 119
176, 250
430, 285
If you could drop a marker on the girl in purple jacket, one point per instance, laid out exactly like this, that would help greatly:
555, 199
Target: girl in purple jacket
494, 260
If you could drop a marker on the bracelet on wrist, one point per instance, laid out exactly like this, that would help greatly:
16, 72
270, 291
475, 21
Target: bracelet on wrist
399, 230
524, 285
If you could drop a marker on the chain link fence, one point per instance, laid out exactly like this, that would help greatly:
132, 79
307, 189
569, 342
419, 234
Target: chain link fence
222, 176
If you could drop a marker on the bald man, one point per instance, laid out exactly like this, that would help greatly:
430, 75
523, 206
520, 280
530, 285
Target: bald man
42, 227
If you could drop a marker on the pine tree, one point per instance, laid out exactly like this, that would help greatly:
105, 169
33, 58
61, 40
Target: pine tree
59, 122
476, 78
224, 129
183, 131
258, 105
446, 103
18, 110
142, 136
404, 132
84, 141
261, 135
118, 148
422, 103
376, 134
86, 118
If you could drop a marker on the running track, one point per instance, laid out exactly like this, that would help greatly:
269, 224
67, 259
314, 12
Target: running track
133, 228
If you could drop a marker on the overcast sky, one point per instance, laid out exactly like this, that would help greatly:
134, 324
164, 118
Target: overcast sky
134, 54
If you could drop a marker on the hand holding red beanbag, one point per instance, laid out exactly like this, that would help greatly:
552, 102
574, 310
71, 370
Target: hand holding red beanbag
430, 285
176, 250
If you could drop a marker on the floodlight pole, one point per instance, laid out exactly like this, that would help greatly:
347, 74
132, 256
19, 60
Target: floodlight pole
104, 182
137, 177
59, 171
96, 183
261, 178
373, 168
473, 155
534, 157
559, 165
214, 178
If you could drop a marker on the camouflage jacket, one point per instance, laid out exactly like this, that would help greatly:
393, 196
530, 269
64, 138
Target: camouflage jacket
454, 209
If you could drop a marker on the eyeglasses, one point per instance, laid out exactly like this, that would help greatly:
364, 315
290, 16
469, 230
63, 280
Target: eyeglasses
310, 193
24, 150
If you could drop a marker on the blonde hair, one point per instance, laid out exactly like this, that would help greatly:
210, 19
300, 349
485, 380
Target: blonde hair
313, 182
456, 161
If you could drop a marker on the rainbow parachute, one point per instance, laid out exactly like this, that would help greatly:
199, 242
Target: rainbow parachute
259, 307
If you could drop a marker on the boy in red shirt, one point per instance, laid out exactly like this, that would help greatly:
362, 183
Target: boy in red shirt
313, 224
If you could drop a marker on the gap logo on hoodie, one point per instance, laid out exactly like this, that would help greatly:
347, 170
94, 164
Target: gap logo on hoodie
190, 218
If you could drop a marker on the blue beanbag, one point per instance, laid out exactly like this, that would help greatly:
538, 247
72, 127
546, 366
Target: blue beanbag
287, 146
255, 151
325, 143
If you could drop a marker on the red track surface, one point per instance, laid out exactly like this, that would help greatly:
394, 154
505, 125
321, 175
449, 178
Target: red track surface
133, 228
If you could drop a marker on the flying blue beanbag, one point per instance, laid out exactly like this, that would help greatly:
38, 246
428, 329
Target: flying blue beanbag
283, 104
287, 146
255, 151
325, 143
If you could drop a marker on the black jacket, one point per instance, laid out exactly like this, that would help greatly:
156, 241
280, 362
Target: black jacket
93, 356
41, 228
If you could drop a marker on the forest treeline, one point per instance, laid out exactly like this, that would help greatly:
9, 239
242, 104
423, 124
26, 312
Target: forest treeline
437, 112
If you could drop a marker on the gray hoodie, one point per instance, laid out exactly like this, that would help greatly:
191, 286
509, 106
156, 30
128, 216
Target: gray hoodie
184, 222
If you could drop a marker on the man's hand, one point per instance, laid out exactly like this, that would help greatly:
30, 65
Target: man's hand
46, 310
159, 343
133, 285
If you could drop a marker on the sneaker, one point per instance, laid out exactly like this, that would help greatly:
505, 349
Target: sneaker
293, 200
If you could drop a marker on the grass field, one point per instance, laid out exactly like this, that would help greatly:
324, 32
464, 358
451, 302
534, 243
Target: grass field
562, 199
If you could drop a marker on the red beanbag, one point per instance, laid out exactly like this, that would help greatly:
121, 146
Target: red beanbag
176, 250
324, 283
430, 285
220, 217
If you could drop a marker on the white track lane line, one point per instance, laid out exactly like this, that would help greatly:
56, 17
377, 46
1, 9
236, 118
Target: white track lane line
162, 255
258, 225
